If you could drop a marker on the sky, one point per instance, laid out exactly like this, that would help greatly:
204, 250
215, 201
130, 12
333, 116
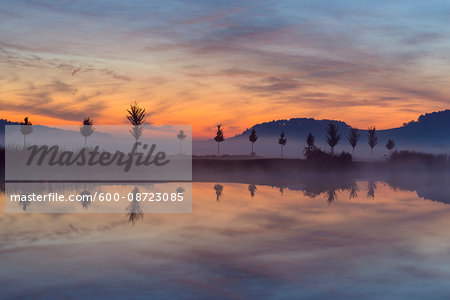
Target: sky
202, 63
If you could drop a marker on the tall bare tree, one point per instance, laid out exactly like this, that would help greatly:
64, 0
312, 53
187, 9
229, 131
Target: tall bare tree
353, 137
310, 141
310, 145
26, 128
282, 141
181, 136
219, 138
87, 129
253, 138
136, 116
333, 136
373, 140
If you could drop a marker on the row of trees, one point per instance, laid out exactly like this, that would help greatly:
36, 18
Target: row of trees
136, 115
332, 134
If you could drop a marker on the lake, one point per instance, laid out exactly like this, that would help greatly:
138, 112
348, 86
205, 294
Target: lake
365, 239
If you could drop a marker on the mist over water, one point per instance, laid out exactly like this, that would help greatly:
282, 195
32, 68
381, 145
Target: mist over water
313, 163
341, 238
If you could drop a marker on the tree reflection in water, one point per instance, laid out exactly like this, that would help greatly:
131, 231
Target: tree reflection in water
331, 196
252, 190
135, 212
353, 190
24, 203
86, 199
219, 189
371, 187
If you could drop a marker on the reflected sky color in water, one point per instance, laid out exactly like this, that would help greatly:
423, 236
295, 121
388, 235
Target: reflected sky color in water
272, 245
103, 198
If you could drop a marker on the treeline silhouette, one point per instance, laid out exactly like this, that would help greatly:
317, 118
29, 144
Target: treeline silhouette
333, 137
135, 114
312, 152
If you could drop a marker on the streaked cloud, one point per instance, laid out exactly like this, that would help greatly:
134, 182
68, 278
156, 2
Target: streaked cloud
273, 84
204, 62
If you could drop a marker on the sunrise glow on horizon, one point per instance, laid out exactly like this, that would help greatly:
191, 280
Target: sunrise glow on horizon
207, 63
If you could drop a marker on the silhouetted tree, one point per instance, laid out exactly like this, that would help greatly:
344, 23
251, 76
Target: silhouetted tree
333, 136
252, 138
353, 137
219, 138
373, 140
310, 141
282, 141
310, 145
219, 189
136, 116
181, 136
390, 145
87, 129
252, 189
26, 128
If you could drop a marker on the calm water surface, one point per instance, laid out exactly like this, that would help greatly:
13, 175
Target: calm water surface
362, 241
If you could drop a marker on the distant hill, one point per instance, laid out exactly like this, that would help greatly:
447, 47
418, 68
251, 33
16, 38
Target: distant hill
296, 128
430, 133
431, 129
4, 122
51, 132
